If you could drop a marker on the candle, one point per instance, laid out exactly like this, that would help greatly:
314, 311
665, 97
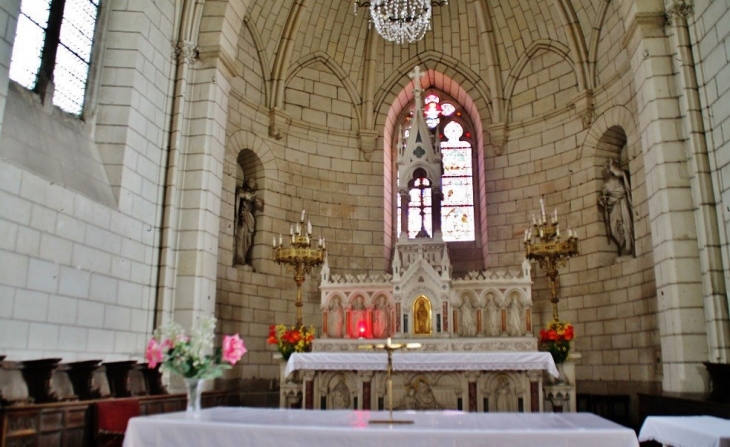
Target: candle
388, 343
324, 243
557, 231
281, 240
534, 222
309, 226
525, 235
273, 241
542, 208
302, 219
555, 215
299, 229
291, 230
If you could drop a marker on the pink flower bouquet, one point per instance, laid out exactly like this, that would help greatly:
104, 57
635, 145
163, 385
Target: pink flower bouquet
186, 356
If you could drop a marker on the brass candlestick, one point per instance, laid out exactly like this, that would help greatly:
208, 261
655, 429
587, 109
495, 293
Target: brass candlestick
299, 257
550, 251
389, 348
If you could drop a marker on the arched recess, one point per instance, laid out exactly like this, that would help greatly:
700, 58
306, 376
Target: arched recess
336, 69
247, 156
440, 81
516, 72
615, 116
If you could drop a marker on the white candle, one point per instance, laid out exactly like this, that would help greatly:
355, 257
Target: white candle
557, 231
525, 235
324, 243
299, 229
542, 208
302, 219
273, 241
534, 222
309, 226
388, 343
281, 240
555, 214
291, 229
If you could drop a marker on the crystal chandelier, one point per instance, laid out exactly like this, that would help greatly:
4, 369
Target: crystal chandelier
401, 21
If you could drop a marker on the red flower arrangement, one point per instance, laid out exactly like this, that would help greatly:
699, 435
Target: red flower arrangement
556, 338
290, 339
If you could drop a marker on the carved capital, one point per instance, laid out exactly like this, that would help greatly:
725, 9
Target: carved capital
583, 103
368, 143
498, 133
279, 122
185, 51
679, 9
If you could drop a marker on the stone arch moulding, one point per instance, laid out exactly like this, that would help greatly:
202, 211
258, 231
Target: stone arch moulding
246, 140
615, 116
220, 28
543, 44
263, 59
335, 69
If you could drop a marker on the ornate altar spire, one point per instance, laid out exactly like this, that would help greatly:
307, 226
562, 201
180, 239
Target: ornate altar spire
419, 150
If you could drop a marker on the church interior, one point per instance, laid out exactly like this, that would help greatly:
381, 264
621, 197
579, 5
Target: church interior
152, 152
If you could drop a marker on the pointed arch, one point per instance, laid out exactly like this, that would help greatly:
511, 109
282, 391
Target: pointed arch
576, 42
516, 72
336, 69
595, 40
283, 54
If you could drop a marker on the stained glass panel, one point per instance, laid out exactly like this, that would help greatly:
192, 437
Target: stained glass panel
457, 162
457, 223
458, 191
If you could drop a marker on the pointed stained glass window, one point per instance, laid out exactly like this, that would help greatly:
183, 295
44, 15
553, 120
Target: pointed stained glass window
457, 180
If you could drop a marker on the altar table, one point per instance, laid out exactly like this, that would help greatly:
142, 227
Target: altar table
687, 431
423, 361
256, 427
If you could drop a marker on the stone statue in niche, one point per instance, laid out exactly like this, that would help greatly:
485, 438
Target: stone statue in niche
504, 396
358, 314
494, 317
617, 208
336, 318
381, 318
515, 322
468, 319
247, 201
340, 396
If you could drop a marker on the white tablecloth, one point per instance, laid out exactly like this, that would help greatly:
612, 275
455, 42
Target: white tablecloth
423, 361
257, 427
687, 431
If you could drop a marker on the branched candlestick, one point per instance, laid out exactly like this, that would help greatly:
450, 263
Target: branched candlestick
299, 257
389, 348
548, 248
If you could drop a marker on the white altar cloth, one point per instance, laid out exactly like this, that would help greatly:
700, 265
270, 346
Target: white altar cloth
422, 361
256, 427
687, 431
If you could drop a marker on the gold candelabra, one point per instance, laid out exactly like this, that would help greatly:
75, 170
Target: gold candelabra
389, 347
299, 257
549, 249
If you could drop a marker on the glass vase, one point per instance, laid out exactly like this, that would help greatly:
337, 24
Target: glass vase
194, 389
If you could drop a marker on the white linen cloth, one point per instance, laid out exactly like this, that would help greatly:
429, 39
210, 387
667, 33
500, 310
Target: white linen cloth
423, 361
686, 431
257, 427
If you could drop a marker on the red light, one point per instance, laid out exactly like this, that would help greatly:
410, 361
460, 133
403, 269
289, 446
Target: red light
468, 134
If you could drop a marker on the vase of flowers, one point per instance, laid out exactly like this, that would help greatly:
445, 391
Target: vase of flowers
290, 339
556, 338
187, 356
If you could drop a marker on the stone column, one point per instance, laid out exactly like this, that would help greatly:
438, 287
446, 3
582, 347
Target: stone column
309, 390
471, 377
674, 235
366, 378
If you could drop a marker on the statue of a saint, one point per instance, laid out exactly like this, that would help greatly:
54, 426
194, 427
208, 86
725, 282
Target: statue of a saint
468, 322
422, 319
514, 317
494, 315
246, 202
617, 208
381, 318
503, 394
340, 396
335, 318
358, 314
409, 400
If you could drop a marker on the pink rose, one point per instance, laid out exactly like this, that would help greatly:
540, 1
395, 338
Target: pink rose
153, 354
233, 348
